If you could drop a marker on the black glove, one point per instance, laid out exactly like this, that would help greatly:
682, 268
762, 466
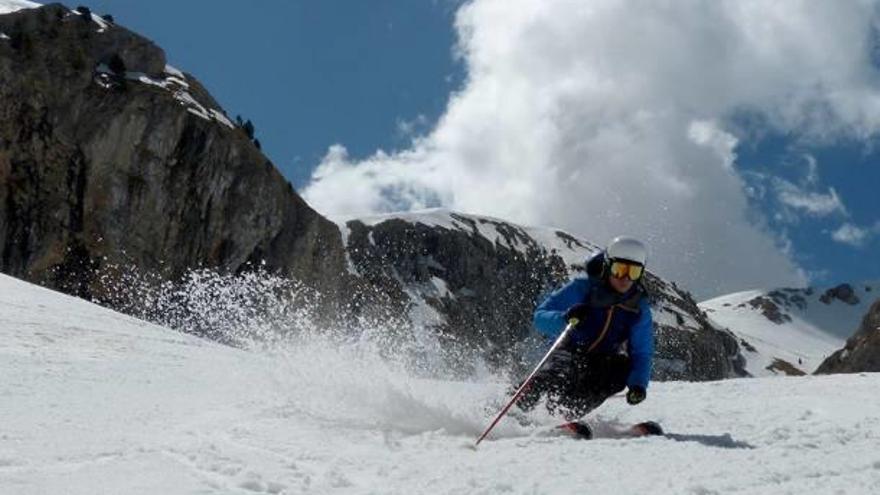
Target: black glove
635, 395
579, 311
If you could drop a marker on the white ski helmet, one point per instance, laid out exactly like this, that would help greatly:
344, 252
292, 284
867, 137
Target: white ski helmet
627, 248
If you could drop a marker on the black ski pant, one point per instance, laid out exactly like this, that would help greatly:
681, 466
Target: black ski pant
576, 383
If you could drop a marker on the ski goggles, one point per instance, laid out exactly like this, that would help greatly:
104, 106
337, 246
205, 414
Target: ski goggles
626, 269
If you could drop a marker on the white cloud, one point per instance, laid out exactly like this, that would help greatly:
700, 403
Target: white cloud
812, 170
408, 128
850, 234
605, 117
814, 203
855, 235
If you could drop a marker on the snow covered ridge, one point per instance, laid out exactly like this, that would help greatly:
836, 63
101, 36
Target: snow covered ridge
174, 81
9, 6
791, 331
497, 231
98, 402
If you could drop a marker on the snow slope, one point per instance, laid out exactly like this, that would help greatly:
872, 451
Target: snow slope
806, 331
95, 402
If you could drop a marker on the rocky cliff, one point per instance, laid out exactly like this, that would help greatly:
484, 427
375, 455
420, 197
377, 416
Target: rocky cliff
109, 157
862, 350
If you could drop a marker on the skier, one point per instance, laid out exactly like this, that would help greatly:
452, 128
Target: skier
612, 345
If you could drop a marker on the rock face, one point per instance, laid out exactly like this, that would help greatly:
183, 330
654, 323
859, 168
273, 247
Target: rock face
770, 309
843, 292
689, 346
862, 351
108, 156
477, 280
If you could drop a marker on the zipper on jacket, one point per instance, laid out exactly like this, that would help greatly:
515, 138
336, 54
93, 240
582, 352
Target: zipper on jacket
604, 330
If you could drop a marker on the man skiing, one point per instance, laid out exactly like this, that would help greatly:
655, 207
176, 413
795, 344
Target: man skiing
612, 344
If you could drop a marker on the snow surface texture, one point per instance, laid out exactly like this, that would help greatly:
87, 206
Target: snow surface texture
97, 402
807, 329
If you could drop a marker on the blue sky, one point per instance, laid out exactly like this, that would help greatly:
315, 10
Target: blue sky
310, 73
852, 169
796, 202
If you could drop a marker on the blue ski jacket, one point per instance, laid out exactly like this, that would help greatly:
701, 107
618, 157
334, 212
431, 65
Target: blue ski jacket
616, 319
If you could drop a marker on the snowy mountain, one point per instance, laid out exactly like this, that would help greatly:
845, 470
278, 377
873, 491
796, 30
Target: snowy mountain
97, 402
791, 331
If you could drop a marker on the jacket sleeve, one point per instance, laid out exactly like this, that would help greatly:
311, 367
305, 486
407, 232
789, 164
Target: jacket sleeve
641, 348
549, 318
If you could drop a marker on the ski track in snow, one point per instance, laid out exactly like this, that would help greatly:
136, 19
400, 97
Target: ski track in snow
95, 402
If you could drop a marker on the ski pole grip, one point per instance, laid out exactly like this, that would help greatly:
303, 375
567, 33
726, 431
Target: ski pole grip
574, 322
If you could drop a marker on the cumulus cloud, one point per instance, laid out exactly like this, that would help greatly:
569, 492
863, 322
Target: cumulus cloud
610, 117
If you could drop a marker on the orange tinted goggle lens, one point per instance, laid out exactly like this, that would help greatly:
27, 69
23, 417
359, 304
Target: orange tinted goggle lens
619, 269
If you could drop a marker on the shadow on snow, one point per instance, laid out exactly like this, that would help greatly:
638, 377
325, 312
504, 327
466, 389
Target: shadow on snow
724, 441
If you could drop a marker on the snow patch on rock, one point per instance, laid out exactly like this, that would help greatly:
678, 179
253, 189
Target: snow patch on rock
9, 6
173, 82
796, 327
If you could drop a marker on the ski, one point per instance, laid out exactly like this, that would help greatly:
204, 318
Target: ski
647, 428
577, 429
582, 430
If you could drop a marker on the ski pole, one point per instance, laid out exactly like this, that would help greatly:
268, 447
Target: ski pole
525, 385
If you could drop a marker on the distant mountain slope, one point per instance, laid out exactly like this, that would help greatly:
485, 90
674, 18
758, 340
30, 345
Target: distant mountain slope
792, 331
476, 280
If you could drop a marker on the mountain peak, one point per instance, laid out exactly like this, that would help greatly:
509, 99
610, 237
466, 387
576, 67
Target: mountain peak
789, 329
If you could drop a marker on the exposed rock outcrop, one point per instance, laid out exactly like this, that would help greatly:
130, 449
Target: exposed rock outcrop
770, 310
843, 292
862, 351
108, 157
